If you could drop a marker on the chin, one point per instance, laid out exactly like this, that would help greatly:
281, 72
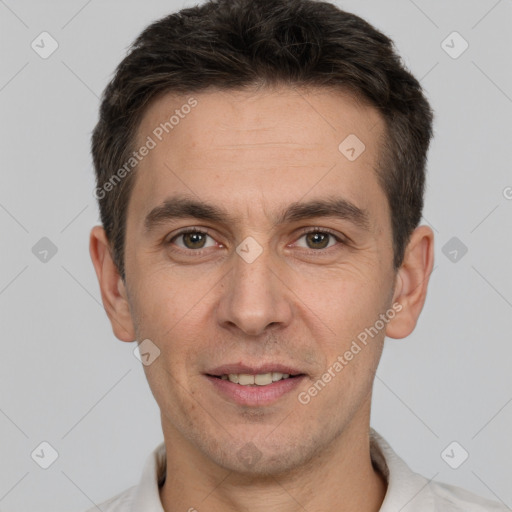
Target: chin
262, 459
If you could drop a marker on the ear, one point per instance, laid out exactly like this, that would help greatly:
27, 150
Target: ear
412, 281
113, 292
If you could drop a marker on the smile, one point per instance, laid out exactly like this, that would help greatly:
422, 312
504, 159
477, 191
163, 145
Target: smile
261, 379
255, 389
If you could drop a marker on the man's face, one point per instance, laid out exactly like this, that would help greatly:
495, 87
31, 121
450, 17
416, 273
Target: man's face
254, 293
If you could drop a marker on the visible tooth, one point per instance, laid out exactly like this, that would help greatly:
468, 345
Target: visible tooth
263, 379
244, 379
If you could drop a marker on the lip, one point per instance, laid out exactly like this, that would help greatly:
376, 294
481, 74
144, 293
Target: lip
254, 395
226, 369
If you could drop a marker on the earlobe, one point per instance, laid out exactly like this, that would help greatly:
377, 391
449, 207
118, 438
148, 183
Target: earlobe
113, 293
412, 282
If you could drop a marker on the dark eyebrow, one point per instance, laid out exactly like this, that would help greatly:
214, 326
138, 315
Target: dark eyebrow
329, 207
184, 207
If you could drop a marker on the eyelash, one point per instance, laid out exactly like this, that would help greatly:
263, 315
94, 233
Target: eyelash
304, 231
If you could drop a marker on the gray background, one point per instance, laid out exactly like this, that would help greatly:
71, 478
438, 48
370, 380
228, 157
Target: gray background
66, 380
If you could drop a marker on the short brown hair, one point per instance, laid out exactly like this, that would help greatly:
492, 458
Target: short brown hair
234, 44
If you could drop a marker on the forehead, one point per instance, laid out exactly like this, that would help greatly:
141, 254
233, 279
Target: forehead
258, 116
277, 143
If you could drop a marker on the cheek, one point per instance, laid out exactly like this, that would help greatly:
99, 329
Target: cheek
345, 298
172, 311
167, 301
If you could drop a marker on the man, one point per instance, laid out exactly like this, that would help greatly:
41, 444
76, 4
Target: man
260, 173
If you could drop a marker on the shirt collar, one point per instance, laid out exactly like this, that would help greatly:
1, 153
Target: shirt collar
406, 490
147, 493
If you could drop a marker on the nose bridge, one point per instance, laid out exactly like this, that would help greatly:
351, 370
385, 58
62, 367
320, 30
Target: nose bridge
255, 297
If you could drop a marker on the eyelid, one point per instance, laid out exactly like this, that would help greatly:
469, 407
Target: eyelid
189, 229
317, 229
314, 229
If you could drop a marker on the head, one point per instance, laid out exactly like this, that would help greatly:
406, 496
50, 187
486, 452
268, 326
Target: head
290, 136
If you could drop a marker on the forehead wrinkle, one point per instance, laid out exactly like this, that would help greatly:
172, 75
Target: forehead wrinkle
265, 144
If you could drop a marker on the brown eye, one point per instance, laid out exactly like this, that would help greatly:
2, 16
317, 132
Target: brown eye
192, 239
318, 240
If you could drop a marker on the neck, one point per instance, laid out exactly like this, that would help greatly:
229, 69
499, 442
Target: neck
341, 478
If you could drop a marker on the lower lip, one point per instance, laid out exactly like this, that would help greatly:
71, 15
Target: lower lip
255, 395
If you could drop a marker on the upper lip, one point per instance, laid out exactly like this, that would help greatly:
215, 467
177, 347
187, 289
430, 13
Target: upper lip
226, 369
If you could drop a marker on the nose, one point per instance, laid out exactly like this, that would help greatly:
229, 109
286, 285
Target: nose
255, 297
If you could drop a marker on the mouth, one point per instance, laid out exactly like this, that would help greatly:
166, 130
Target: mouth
254, 386
258, 379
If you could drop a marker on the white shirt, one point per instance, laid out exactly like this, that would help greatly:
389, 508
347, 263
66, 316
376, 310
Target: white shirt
407, 491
